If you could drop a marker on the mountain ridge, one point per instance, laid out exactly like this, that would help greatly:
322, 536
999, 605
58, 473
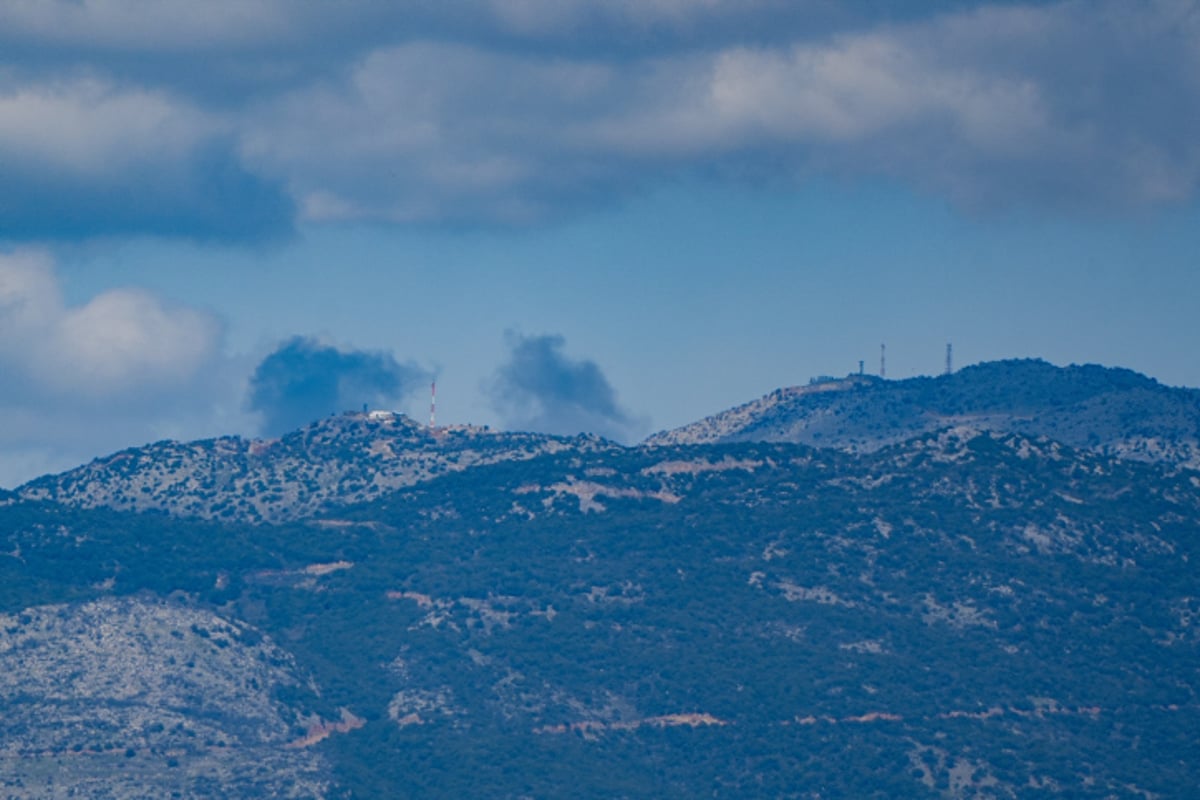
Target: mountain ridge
1112, 410
344, 458
355, 457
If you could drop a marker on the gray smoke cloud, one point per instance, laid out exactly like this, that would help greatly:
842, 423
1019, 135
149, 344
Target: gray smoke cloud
303, 380
542, 389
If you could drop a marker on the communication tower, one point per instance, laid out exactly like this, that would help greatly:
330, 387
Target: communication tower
949, 360
883, 360
433, 406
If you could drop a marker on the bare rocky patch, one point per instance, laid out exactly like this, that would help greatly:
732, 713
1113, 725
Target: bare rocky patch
142, 698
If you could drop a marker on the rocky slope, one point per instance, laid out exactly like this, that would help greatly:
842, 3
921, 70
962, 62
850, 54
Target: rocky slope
1108, 410
133, 698
337, 460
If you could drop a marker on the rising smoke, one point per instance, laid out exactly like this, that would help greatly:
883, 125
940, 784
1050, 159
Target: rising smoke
303, 380
541, 389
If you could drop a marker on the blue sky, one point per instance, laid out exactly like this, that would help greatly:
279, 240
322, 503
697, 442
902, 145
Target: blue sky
610, 216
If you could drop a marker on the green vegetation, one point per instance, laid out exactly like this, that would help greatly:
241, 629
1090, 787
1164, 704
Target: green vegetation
947, 617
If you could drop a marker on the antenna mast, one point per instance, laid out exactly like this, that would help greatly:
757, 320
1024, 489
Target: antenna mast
433, 405
883, 360
949, 361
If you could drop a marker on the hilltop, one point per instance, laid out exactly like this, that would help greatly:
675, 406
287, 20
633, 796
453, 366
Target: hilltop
357, 457
338, 460
1108, 410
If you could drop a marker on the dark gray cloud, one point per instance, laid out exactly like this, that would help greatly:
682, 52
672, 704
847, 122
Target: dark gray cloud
542, 389
85, 157
231, 120
304, 380
206, 195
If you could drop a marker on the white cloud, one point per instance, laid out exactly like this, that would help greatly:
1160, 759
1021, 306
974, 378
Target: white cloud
162, 24
124, 367
97, 130
515, 111
983, 107
127, 337
990, 106
431, 131
122, 344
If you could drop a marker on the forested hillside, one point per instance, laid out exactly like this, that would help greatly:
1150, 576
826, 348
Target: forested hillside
961, 615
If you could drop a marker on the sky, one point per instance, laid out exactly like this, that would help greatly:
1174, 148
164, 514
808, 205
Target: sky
611, 216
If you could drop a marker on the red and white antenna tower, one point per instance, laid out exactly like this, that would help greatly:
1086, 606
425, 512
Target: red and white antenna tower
433, 405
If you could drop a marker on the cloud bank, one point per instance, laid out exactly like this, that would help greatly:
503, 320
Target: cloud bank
304, 380
542, 389
236, 120
84, 157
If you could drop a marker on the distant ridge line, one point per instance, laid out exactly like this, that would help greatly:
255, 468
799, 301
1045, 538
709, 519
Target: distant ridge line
1111, 410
